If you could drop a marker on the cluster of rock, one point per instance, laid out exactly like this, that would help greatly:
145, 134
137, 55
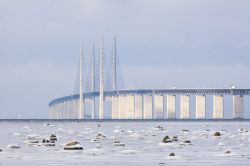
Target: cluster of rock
32, 141
167, 139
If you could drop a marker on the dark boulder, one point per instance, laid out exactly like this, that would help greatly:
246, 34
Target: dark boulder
187, 142
217, 134
166, 139
171, 154
53, 137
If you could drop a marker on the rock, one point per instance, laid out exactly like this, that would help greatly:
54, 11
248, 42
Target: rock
0, 150
175, 138
99, 136
227, 152
53, 137
216, 134
95, 140
171, 154
185, 130
46, 142
187, 142
33, 142
73, 146
166, 139
116, 142
119, 144
160, 127
14, 146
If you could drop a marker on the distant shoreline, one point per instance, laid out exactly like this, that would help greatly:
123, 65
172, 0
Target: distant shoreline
123, 120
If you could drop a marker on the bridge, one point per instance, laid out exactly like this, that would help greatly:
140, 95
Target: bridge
141, 103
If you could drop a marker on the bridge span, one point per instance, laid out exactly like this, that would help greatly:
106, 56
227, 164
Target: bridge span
139, 103
151, 104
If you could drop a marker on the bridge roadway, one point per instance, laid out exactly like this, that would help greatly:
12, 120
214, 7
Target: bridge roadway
90, 95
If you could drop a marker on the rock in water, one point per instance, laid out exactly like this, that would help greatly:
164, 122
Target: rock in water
100, 135
14, 146
187, 142
53, 137
166, 139
73, 146
175, 138
119, 144
46, 142
216, 134
227, 152
171, 154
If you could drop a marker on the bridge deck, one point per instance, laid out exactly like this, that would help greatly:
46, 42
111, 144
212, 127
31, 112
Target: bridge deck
156, 91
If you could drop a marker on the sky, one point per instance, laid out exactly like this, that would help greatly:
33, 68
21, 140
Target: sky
161, 43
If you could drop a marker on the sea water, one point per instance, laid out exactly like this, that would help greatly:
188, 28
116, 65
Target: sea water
141, 142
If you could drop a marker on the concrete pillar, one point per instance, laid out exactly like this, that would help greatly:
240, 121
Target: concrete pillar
68, 109
122, 107
76, 108
64, 109
51, 112
218, 107
73, 109
130, 107
171, 102
158, 107
93, 116
115, 107
138, 107
238, 107
184, 106
148, 107
200, 107
61, 110
58, 111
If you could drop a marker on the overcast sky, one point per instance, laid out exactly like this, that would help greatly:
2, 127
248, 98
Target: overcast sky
161, 43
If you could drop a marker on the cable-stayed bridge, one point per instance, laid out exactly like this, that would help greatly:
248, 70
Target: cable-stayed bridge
100, 84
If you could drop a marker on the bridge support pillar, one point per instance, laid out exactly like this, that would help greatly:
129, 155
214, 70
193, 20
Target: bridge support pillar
130, 107
93, 115
200, 108
122, 107
138, 107
76, 109
68, 109
184, 106
238, 107
115, 107
218, 112
148, 107
50, 112
171, 103
158, 114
